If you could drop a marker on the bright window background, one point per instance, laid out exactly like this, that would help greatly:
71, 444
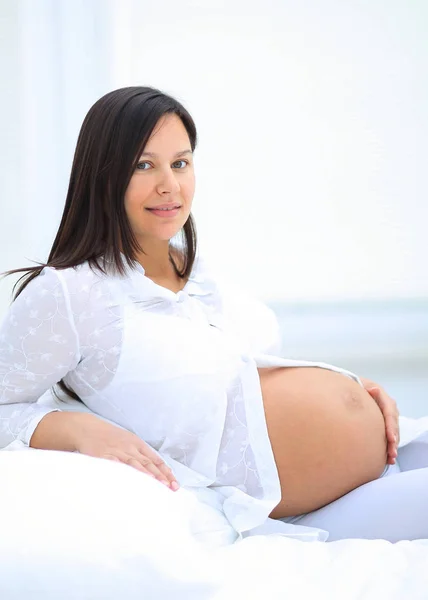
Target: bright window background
311, 165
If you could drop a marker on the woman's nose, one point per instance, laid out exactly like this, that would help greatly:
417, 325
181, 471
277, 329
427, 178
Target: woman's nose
168, 183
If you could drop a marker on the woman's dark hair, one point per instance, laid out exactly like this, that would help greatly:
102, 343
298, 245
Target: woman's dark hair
94, 224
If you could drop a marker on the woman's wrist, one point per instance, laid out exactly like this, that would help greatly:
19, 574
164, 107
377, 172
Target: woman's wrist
59, 430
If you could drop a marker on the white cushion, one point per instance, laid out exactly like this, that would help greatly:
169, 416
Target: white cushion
73, 526
80, 528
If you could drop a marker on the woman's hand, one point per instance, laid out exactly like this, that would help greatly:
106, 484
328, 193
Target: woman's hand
88, 434
390, 413
104, 440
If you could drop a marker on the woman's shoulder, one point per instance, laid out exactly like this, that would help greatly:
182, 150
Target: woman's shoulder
49, 294
88, 286
79, 278
80, 288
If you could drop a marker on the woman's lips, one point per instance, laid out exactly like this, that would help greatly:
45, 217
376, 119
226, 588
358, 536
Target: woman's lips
164, 214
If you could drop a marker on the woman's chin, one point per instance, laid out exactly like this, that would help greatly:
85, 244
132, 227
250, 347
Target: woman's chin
164, 234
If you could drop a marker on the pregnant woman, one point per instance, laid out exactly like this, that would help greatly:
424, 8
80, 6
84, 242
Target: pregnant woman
126, 318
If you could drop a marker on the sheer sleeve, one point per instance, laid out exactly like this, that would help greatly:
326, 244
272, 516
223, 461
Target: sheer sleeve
255, 324
38, 347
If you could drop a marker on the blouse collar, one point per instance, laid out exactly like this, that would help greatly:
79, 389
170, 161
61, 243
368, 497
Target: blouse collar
199, 283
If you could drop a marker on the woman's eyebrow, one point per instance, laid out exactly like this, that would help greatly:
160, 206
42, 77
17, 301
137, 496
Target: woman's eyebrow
153, 155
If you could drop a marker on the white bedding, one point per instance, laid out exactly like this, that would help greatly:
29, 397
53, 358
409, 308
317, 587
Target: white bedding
75, 527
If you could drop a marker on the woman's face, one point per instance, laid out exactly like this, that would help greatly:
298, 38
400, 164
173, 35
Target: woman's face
159, 196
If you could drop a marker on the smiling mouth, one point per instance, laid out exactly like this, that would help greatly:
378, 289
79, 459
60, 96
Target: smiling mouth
166, 209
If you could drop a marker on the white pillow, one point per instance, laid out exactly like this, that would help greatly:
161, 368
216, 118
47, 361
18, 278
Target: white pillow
78, 527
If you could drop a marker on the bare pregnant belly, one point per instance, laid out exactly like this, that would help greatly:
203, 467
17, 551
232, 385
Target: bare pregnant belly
326, 432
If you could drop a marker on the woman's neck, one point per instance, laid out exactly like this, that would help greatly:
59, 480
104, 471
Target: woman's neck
159, 268
155, 258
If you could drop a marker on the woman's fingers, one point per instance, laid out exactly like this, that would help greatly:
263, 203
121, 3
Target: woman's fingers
391, 438
391, 416
167, 476
145, 465
148, 452
147, 468
165, 470
128, 460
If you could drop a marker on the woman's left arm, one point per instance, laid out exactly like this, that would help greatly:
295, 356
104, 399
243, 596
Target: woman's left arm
390, 413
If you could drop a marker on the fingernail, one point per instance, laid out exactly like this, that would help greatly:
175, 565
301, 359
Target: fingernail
175, 486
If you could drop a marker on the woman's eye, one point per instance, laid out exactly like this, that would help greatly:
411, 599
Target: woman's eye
180, 164
143, 166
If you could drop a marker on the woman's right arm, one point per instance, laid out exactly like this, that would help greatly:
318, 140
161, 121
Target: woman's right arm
90, 435
39, 345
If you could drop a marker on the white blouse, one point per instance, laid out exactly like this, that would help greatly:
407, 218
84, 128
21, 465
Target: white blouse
177, 369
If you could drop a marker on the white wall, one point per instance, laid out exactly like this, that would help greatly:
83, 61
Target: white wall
313, 128
56, 57
10, 124
312, 120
